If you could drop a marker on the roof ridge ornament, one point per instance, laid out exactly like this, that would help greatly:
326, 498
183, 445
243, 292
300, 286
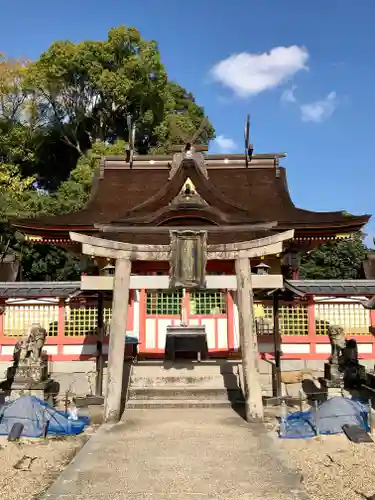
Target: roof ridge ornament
190, 150
129, 151
189, 154
249, 148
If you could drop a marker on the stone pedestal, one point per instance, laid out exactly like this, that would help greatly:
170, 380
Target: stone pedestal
42, 390
333, 375
333, 380
30, 378
29, 371
334, 391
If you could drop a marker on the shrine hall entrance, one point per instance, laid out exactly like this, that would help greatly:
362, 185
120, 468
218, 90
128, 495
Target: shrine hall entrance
211, 308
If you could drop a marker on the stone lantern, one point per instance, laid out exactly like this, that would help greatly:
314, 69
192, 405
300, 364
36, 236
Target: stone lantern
108, 269
262, 269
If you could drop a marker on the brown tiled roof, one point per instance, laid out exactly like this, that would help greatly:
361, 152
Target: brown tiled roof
237, 194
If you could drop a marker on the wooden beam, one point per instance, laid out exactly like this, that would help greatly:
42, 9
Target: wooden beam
112, 403
100, 247
139, 282
277, 346
197, 148
116, 228
249, 342
99, 347
250, 253
259, 242
96, 251
108, 253
116, 245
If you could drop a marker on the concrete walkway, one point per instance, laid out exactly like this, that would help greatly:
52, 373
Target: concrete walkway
178, 454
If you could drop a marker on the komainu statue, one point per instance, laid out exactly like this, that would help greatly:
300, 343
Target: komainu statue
30, 347
336, 336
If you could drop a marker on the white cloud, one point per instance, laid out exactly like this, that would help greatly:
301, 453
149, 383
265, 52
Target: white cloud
289, 95
249, 74
319, 111
225, 144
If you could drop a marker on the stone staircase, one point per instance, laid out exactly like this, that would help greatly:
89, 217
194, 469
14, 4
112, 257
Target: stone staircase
211, 384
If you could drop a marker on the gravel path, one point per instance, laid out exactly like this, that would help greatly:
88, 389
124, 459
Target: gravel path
333, 468
48, 458
178, 455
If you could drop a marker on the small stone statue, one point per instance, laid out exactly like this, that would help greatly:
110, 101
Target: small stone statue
336, 336
37, 338
31, 346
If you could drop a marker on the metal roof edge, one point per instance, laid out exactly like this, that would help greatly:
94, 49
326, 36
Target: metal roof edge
40, 284
289, 286
343, 282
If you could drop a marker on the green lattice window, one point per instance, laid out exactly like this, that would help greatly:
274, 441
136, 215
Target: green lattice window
84, 320
263, 315
208, 302
18, 318
293, 319
354, 318
164, 303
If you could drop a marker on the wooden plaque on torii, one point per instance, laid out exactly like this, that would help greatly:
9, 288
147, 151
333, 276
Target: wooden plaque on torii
188, 259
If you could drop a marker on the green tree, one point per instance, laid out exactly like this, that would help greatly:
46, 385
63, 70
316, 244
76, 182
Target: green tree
87, 90
74, 193
18, 198
48, 263
340, 259
60, 114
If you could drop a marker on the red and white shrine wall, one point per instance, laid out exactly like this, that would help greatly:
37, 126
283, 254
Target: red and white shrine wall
72, 323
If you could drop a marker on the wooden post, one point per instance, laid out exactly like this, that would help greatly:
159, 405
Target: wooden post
112, 404
277, 345
249, 342
99, 347
184, 307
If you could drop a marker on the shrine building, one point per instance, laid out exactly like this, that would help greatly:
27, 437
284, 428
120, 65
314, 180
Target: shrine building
137, 212
142, 203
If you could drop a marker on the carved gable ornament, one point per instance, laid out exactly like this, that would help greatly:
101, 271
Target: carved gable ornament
188, 197
188, 259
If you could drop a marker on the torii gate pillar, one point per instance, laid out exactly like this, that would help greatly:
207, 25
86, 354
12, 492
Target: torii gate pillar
112, 404
248, 342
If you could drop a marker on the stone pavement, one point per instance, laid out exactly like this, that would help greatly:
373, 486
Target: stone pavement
178, 454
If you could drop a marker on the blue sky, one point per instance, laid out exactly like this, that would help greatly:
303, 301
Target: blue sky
305, 70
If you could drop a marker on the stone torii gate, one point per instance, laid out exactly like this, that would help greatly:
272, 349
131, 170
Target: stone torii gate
125, 253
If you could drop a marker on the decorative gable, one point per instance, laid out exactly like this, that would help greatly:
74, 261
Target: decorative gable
188, 197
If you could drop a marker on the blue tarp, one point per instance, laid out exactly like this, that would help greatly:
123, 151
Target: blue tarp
332, 415
33, 413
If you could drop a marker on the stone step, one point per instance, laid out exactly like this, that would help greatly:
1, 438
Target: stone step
177, 403
184, 393
175, 369
218, 381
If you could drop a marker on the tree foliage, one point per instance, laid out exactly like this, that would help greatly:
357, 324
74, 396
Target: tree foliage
85, 91
62, 112
340, 259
